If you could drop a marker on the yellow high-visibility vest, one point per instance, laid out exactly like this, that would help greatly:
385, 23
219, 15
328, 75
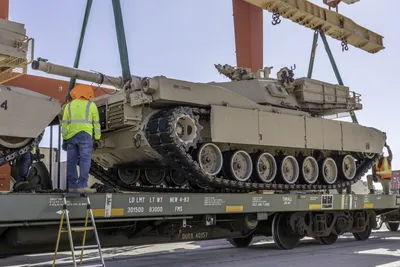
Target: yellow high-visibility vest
80, 115
385, 170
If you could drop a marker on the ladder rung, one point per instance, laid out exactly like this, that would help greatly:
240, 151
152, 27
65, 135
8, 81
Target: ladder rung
86, 247
92, 265
78, 229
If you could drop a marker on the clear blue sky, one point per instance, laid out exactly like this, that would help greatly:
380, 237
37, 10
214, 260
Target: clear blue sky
184, 38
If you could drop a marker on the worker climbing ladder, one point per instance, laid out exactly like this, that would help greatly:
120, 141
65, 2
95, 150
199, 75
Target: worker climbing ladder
84, 229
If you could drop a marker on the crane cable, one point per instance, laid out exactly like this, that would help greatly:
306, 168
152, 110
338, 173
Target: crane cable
122, 47
80, 44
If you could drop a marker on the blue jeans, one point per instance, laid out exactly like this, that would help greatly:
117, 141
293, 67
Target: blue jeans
79, 148
23, 168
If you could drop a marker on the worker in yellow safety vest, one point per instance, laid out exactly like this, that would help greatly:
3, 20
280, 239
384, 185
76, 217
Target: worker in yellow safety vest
80, 125
24, 163
382, 173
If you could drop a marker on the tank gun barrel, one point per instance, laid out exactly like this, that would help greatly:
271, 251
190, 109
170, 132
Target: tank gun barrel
69, 72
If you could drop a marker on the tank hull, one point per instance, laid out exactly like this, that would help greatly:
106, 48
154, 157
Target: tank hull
262, 133
259, 130
26, 115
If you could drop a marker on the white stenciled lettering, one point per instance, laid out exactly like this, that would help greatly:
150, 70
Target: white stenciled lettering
136, 199
156, 199
184, 199
212, 201
201, 235
287, 200
155, 209
135, 209
187, 236
179, 199
193, 236
259, 202
179, 208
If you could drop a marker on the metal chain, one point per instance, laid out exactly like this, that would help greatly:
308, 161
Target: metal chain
10, 154
344, 45
275, 18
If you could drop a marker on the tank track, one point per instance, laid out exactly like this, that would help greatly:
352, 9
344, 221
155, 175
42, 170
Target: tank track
161, 137
10, 154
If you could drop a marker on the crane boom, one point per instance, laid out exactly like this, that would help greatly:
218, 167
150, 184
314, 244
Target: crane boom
331, 23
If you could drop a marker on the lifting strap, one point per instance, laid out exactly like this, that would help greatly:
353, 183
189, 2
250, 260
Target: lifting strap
122, 47
72, 81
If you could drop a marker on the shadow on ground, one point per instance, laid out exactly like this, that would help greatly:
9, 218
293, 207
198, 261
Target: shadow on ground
379, 250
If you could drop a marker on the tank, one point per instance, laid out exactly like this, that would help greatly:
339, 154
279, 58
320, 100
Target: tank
251, 133
26, 114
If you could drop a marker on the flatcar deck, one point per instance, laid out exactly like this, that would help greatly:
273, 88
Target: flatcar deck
30, 221
44, 207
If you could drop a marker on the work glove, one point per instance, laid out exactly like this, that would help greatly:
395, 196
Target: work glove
96, 144
64, 146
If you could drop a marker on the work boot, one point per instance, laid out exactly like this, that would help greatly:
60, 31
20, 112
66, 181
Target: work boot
20, 186
83, 190
24, 186
371, 191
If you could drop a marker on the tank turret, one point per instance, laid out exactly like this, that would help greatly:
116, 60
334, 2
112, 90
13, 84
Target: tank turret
315, 97
254, 132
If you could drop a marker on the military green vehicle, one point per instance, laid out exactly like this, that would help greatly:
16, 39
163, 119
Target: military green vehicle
251, 133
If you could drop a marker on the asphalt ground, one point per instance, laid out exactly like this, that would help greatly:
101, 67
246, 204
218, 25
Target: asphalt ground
381, 250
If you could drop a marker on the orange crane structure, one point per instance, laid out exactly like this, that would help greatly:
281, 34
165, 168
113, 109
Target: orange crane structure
248, 25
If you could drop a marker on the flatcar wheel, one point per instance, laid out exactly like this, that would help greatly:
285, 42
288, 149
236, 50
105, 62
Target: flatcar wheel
241, 242
362, 236
309, 169
154, 176
265, 168
128, 175
393, 227
210, 158
348, 167
329, 171
240, 166
328, 240
283, 236
176, 178
289, 169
